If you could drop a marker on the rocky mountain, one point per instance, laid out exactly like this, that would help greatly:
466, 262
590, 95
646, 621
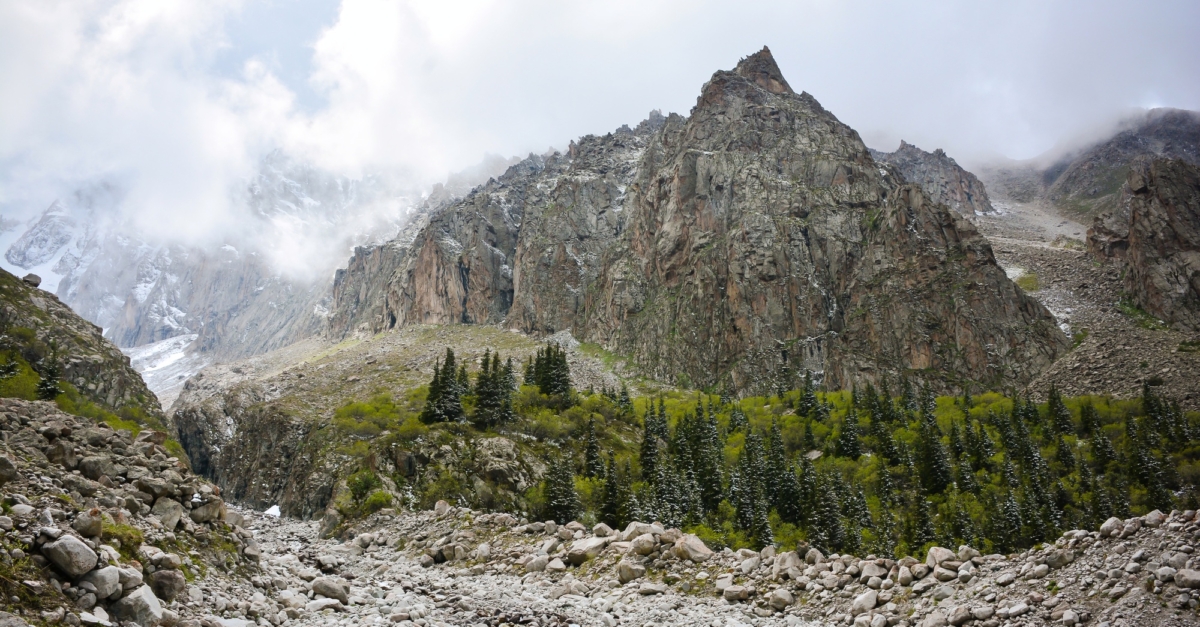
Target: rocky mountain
1087, 181
38, 329
1154, 237
942, 178
755, 234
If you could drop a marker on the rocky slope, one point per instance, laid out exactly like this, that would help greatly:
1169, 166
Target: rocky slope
263, 429
39, 328
102, 525
942, 178
1087, 181
1154, 237
756, 232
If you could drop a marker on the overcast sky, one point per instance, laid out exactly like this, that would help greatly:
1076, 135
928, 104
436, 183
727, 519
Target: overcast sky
177, 100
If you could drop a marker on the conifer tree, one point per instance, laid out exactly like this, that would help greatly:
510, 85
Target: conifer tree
623, 401
1102, 452
1059, 418
562, 501
737, 419
748, 492
1089, 421
826, 531
809, 491
933, 462
923, 530
47, 387
1006, 525
616, 504
443, 404
848, 444
593, 466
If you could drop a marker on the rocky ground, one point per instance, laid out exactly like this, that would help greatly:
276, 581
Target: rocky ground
102, 527
1115, 351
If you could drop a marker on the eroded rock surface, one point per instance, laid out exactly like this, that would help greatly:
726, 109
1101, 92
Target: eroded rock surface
943, 179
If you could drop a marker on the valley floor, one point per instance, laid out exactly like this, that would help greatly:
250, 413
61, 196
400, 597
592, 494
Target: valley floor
1116, 349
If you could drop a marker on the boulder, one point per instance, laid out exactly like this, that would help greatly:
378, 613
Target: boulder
1059, 558
8, 470
1112, 526
780, 599
602, 530
331, 588
628, 571
936, 618
107, 581
644, 544
937, 555
736, 593
139, 606
785, 562
960, 616
62, 452
441, 508
864, 602
97, 466
813, 556
983, 612
9, 620
88, 524
168, 511
1154, 519
167, 584
750, 564
585, 549
70, 555
209, 511
537, 564
905, 576
1187, 578
318, 605
690, 547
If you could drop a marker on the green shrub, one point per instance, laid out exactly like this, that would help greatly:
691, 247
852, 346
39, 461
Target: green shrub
1028, 282
376, 501
362, 483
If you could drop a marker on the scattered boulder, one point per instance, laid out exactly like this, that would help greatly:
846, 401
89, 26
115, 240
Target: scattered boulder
628, 571
331, 589
107, 581
167, 584
139, 606
88, 524
70, 555
690, 547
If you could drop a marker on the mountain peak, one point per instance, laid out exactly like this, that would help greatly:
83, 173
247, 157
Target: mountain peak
761, 68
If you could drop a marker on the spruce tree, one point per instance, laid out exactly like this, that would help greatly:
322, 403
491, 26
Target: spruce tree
562, 501
616, 508
923, 530
750, 499
1059, 418
807, 403
1006, 525
47, 387
848, 444
593, 466
826, 531
443, 404
933, 461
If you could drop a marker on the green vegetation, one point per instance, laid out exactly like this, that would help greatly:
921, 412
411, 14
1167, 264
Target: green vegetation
125, 538
1140, 316
1028, 282
1078, 337
1189, 346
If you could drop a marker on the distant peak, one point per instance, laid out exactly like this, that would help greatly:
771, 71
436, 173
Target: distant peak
761, 68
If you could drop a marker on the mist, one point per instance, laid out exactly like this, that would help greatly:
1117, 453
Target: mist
176, 104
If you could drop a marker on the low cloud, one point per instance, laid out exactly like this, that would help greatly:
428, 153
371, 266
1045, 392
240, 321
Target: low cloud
130, 93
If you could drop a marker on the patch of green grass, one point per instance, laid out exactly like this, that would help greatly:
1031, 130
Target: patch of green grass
128, 538
1079, 336
1028, 282
1140, 316
1189, 346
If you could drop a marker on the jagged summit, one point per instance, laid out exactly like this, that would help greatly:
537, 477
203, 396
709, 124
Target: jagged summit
761, 68
943, 179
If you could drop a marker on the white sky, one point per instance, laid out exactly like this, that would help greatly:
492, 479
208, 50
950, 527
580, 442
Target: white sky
178, 99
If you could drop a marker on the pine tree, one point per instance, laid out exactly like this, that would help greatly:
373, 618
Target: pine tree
933, 462
848, 444
826, 531
749, 497
1102, 452
443, 404
593, 466
808, 398
1089, 420
47, 387
1059, 417
562, 501
616, 506
9, 369
623, 400
737, 419
707, 462
923, 531
809, 492
1006, 525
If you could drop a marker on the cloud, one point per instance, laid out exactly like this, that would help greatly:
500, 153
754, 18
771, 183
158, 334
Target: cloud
145, 93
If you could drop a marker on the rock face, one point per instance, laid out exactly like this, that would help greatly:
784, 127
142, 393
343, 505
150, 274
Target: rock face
87, 360
756, 233
1154, 236
942, 178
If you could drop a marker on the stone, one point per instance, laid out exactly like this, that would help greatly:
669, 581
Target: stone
555, 566
959, 616
8, 470
1004, 579
97, 466
750, 564
441, 508
585, 549
167, 584
208, 512
966, 553
107, 581
1187, 578
644, 544
537, 564
1111, 527
130, 578
647, 589
983, 612
784, 562
813, 556
628, 571
736, 593
88, 523
332, 589
937, 555
602, 530
936, 618
864, 602
944, 574
1019, 609
942, 593
70, 555
318, 605
1039, 571
1059, 558
139, 606
920, 571
168, 511
904, 577
1069, 618
690, 547
780, 599
1165, 574
1154, 519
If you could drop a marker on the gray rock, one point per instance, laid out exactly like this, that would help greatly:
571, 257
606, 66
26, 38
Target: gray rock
168, 511
628, 571
70, 555
8, 470
537, 564
736, 593
1005, 579
318, 605
936, 618
107, 581
602, 530
88, 523
585, 549
690, 547
167, 584
333, 589
864, 602
139, 606
960, 615
813, 556
208, 512
1111, 527
983, 612
780, 599
1187, 578
937, 555
905, 576
97, 466
9, 620
644, 544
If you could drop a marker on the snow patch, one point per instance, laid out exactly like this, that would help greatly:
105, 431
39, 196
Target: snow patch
166, 365
273, 511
